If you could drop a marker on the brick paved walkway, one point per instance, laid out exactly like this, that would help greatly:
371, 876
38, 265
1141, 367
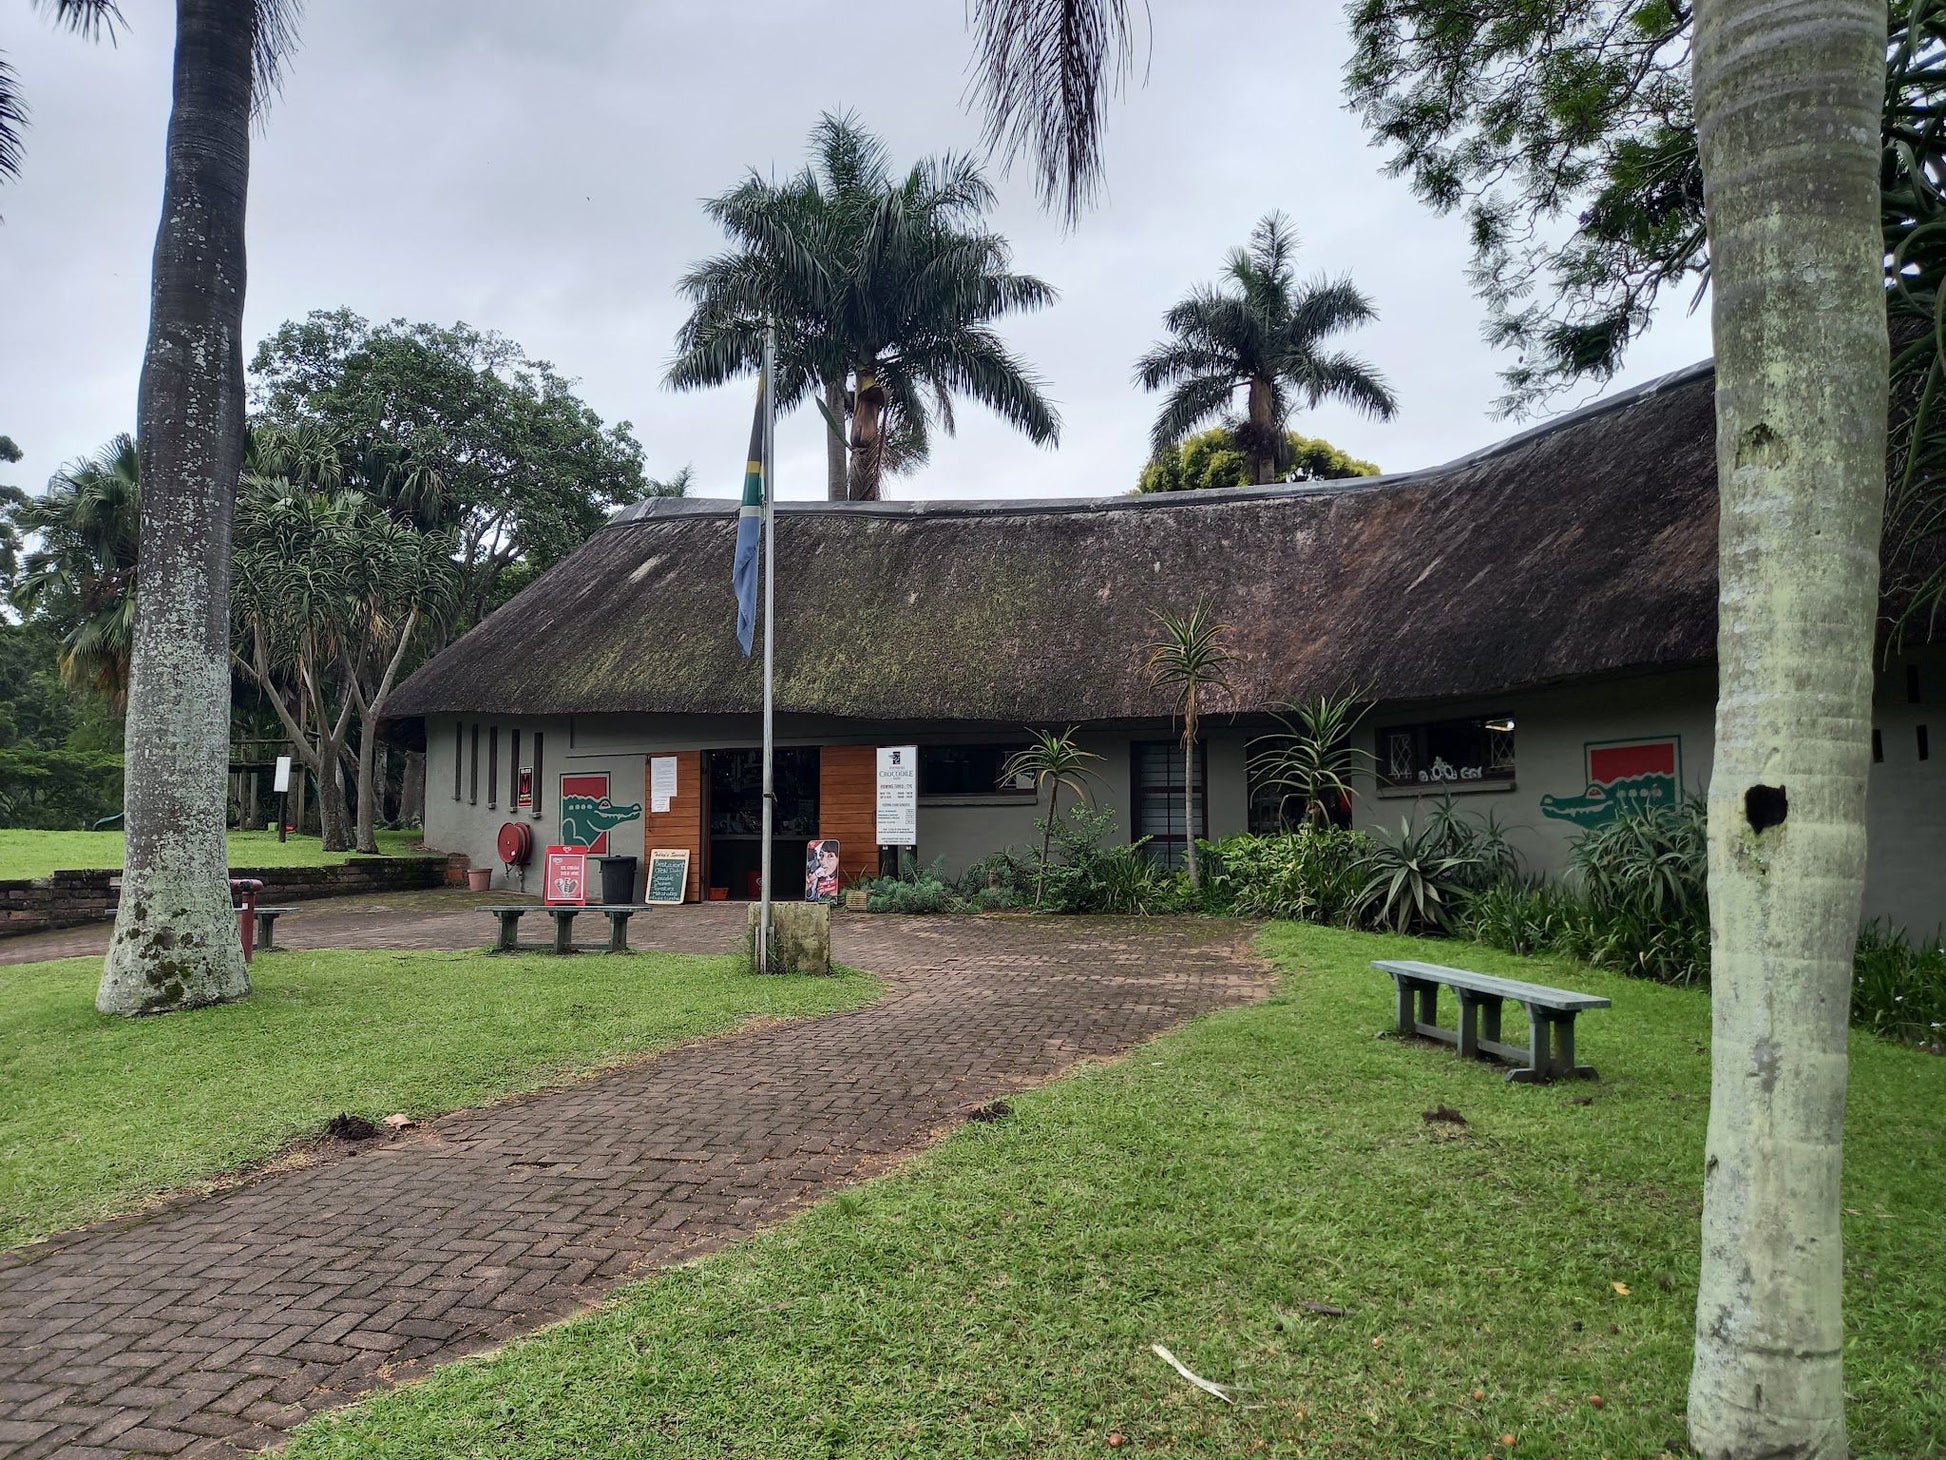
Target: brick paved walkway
222, 1322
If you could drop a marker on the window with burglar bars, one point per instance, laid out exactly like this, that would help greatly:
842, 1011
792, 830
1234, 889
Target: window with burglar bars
1157, 771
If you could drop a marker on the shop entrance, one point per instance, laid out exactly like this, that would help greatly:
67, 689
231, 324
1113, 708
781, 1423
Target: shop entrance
736, 816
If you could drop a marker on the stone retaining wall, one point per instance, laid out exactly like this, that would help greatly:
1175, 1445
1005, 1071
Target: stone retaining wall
67, 899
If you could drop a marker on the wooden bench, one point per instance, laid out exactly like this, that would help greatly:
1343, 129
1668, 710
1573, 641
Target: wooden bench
267, 927
564, 915
1550, 1011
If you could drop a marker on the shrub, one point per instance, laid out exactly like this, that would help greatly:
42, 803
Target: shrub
915, 890
1898, 989
1314, 873
1517, 917
1417, 883
1644, 895
1081, 875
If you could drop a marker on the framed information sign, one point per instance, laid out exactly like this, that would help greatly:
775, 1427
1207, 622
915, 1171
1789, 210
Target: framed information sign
567, 876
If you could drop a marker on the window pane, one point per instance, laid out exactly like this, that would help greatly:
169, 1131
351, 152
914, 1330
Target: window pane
970, 770
1447, 753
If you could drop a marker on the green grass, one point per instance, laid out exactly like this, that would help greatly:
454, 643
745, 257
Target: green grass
99, 1113
37, 853
1000, 1295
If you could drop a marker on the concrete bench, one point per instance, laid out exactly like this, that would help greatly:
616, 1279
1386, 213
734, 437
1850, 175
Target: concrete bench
1550, 1011
267, 927
510, 915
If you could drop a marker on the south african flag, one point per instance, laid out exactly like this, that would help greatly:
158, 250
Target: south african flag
750, 519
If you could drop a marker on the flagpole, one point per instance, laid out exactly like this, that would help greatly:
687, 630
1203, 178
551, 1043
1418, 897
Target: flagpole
770, 636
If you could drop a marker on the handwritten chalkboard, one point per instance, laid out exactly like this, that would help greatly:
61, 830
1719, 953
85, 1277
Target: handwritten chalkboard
668, 875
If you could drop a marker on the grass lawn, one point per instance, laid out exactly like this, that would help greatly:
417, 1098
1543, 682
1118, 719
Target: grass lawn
99, 1113
1000, 1295
37, 853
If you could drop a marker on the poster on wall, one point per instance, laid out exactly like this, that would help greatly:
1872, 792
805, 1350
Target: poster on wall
662, 782
587, 813
524, 789
898, 795
1632, 775
567, 876
821, 870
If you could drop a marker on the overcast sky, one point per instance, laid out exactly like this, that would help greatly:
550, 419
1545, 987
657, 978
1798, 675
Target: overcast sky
535, 169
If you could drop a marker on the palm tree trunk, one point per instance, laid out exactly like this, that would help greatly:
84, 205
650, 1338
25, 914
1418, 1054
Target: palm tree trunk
175, 944
1788, 96
835, 455
368, 788
1189, 788
334, 808
1047, 840
1261, 447
867, 438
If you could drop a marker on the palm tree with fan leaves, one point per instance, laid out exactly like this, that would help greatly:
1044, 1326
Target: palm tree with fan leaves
884, 290
1263, 332
79, 571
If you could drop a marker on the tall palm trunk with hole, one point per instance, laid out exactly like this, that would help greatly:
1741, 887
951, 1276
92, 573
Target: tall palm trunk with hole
175, 944
837, 489
867, 438
1262, 434
1788, 96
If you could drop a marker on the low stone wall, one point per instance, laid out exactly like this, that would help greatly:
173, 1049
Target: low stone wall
67, 899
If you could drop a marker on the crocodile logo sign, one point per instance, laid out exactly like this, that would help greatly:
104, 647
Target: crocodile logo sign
1636, 775
587, 813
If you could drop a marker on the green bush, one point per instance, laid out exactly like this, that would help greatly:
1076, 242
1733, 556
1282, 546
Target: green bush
915, 890
1643, 884
1517, 917
1314, 874
1899, 989
1083, 876
1418, 883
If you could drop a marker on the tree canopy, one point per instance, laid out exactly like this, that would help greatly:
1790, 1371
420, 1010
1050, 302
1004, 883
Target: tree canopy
884, 291
468, 432
1213, 458
1261, 331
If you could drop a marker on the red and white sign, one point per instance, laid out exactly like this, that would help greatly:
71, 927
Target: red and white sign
567, 876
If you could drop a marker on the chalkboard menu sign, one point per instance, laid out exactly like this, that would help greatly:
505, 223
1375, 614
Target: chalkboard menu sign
668, 875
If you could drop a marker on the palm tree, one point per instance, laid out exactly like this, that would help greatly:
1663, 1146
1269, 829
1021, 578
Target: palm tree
1190, 658
1264, 333
175, 944
883, 290
89, 18
1052, 760
1797, 302
81, 573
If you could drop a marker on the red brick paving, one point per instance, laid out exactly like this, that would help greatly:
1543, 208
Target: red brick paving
219, 1323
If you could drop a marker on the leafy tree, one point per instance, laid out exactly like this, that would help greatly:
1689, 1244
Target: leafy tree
1190, 660
1052, 760
1799, 323
87, 18
175, 944
465, 432
60, 758
884, 291
1213, 458
12, 538
1263, 333
332, 593
80, 574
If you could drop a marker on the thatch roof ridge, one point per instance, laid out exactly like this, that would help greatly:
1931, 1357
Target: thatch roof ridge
663, 508
1583, 546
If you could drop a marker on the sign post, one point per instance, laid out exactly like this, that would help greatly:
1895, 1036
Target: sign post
282, 786
898, 796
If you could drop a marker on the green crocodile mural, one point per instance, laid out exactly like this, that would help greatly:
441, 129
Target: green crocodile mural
585, 820
1603, 802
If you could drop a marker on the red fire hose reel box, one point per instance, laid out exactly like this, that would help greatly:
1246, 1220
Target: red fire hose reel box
516, 844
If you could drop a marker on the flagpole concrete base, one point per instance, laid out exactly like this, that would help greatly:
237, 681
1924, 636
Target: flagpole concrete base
800, 937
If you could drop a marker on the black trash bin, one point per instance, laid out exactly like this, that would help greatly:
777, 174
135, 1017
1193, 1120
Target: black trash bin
617, 879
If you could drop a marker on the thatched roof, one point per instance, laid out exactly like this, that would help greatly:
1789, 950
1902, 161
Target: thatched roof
1584, 547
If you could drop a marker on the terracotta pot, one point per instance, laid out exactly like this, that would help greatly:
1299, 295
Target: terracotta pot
719, 894
479, 879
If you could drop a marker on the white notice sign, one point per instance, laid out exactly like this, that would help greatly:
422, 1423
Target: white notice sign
898, 795
283, 780
662, 782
